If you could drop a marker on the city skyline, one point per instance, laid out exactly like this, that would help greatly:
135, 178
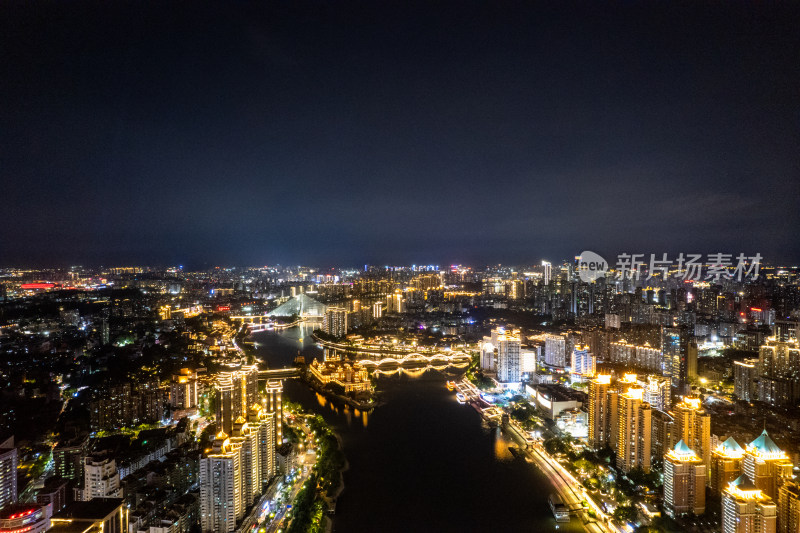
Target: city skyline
237, 396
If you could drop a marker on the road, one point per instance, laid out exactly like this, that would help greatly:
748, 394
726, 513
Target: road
571, 490
280, 496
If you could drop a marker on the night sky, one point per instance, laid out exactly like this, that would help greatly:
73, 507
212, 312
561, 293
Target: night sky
339, 133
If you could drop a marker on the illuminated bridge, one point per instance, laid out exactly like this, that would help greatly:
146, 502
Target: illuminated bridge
278, 373
441, 358
269, 325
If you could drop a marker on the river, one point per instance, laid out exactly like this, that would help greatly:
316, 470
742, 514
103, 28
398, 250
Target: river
421, 461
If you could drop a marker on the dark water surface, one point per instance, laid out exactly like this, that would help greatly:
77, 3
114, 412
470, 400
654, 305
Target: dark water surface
421, 461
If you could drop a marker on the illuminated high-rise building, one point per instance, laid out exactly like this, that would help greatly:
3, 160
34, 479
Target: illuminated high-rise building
613, 418
745, 374
500, 353
100, 478
627, 381
684, 482
273, 406
8, 472
779, 372
183, 390
245, 439
726, 464
657, 392
334, 322
236, 392
508, 345
68, 458
635, 431
766, 465
112, 408
662, 440
643, 357
789, 508
547, 272
583, 363
221, 501
747, 509
693, 426
264, 426
777, 358
488, 355
600, 432
649, 358
555, 351
674, 347
515, 289
229, 400
623, 353
395, 303
528, 361
105, 332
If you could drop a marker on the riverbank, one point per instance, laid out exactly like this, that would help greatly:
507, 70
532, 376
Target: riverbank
313, 504
576, 500
332, 499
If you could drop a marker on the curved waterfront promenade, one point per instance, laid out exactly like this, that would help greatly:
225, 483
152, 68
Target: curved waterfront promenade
569, 488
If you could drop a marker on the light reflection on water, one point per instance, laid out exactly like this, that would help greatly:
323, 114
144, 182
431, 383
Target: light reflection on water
321, 400
420, 430
502, 451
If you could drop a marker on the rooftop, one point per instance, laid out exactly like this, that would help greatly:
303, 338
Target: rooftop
764, 444
743, 483
730, 447
94, 509
682, 448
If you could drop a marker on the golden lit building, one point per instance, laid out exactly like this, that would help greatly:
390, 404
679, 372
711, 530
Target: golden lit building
635, 431
599, 415
766, 465
726, 464
263, 424
273, 406
684, 482
692, 424
183, 391
789, 508
613, 418
352, 378
221, 502
746, 509
778, 364
236, 392
245, 439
